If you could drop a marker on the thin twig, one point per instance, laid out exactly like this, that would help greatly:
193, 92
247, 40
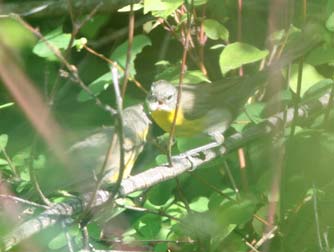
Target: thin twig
10, 163
129, 49
298, 92
179, 93
32, 174
68, 237
120, 130
101, 56
27, 202
316, 217
71, 68
232, 180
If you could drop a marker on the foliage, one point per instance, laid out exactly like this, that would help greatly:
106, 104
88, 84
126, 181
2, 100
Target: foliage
287, 183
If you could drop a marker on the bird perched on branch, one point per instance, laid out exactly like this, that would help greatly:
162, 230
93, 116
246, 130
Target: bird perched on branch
211, 107
97, 157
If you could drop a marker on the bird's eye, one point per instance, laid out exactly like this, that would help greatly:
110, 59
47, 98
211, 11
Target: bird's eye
169, 97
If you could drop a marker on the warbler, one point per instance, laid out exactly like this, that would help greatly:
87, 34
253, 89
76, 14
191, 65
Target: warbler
100, 149
211, 107
204, 108
105, 145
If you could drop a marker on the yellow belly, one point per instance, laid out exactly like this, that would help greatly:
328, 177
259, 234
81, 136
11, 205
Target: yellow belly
183, 127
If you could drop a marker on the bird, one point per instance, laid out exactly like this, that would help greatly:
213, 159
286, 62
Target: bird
210, 108
96, 158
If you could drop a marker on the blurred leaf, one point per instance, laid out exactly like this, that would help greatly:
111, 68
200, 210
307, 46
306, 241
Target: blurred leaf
127, 8
177, 210
3, 141
185, 144
161, 195
20, 158
254, 111
215, 30
310, 76
56, 39
15, 35
199, 2
119, 56
97, 86
161, 159
171, 73
161, 247
199, 205
92, 26
237, 54
238, 212
39, 162
217, 200
148, 225
330, 22
161, 8
318, 89
3, 161
320, 55
60, 240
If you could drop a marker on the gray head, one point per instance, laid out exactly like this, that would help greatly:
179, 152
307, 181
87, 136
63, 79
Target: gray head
162, 96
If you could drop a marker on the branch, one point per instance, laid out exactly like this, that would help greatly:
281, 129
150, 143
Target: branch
181, 164
51, 8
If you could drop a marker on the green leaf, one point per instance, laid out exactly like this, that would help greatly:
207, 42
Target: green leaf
93, 26
320, 55
127, 8
318, 89
120, 53
161, 8
238, 212
185, 144
161, 247
60, 241
20, 158
237, 54
172, 74
148, 225
39, 162
199, 2
3, 161
330, 22
57, 39
310, 76
3, 141
15, 35
200, 204
254, 111
215, 30
97, 86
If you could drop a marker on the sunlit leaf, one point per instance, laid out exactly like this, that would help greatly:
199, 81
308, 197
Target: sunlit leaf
215, 30
237, 54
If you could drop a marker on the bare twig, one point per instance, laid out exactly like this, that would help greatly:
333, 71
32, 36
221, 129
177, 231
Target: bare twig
128, 52
101, 56
179, 93
27, 202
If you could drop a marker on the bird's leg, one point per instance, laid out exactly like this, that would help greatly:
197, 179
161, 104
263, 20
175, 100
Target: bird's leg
219, 140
